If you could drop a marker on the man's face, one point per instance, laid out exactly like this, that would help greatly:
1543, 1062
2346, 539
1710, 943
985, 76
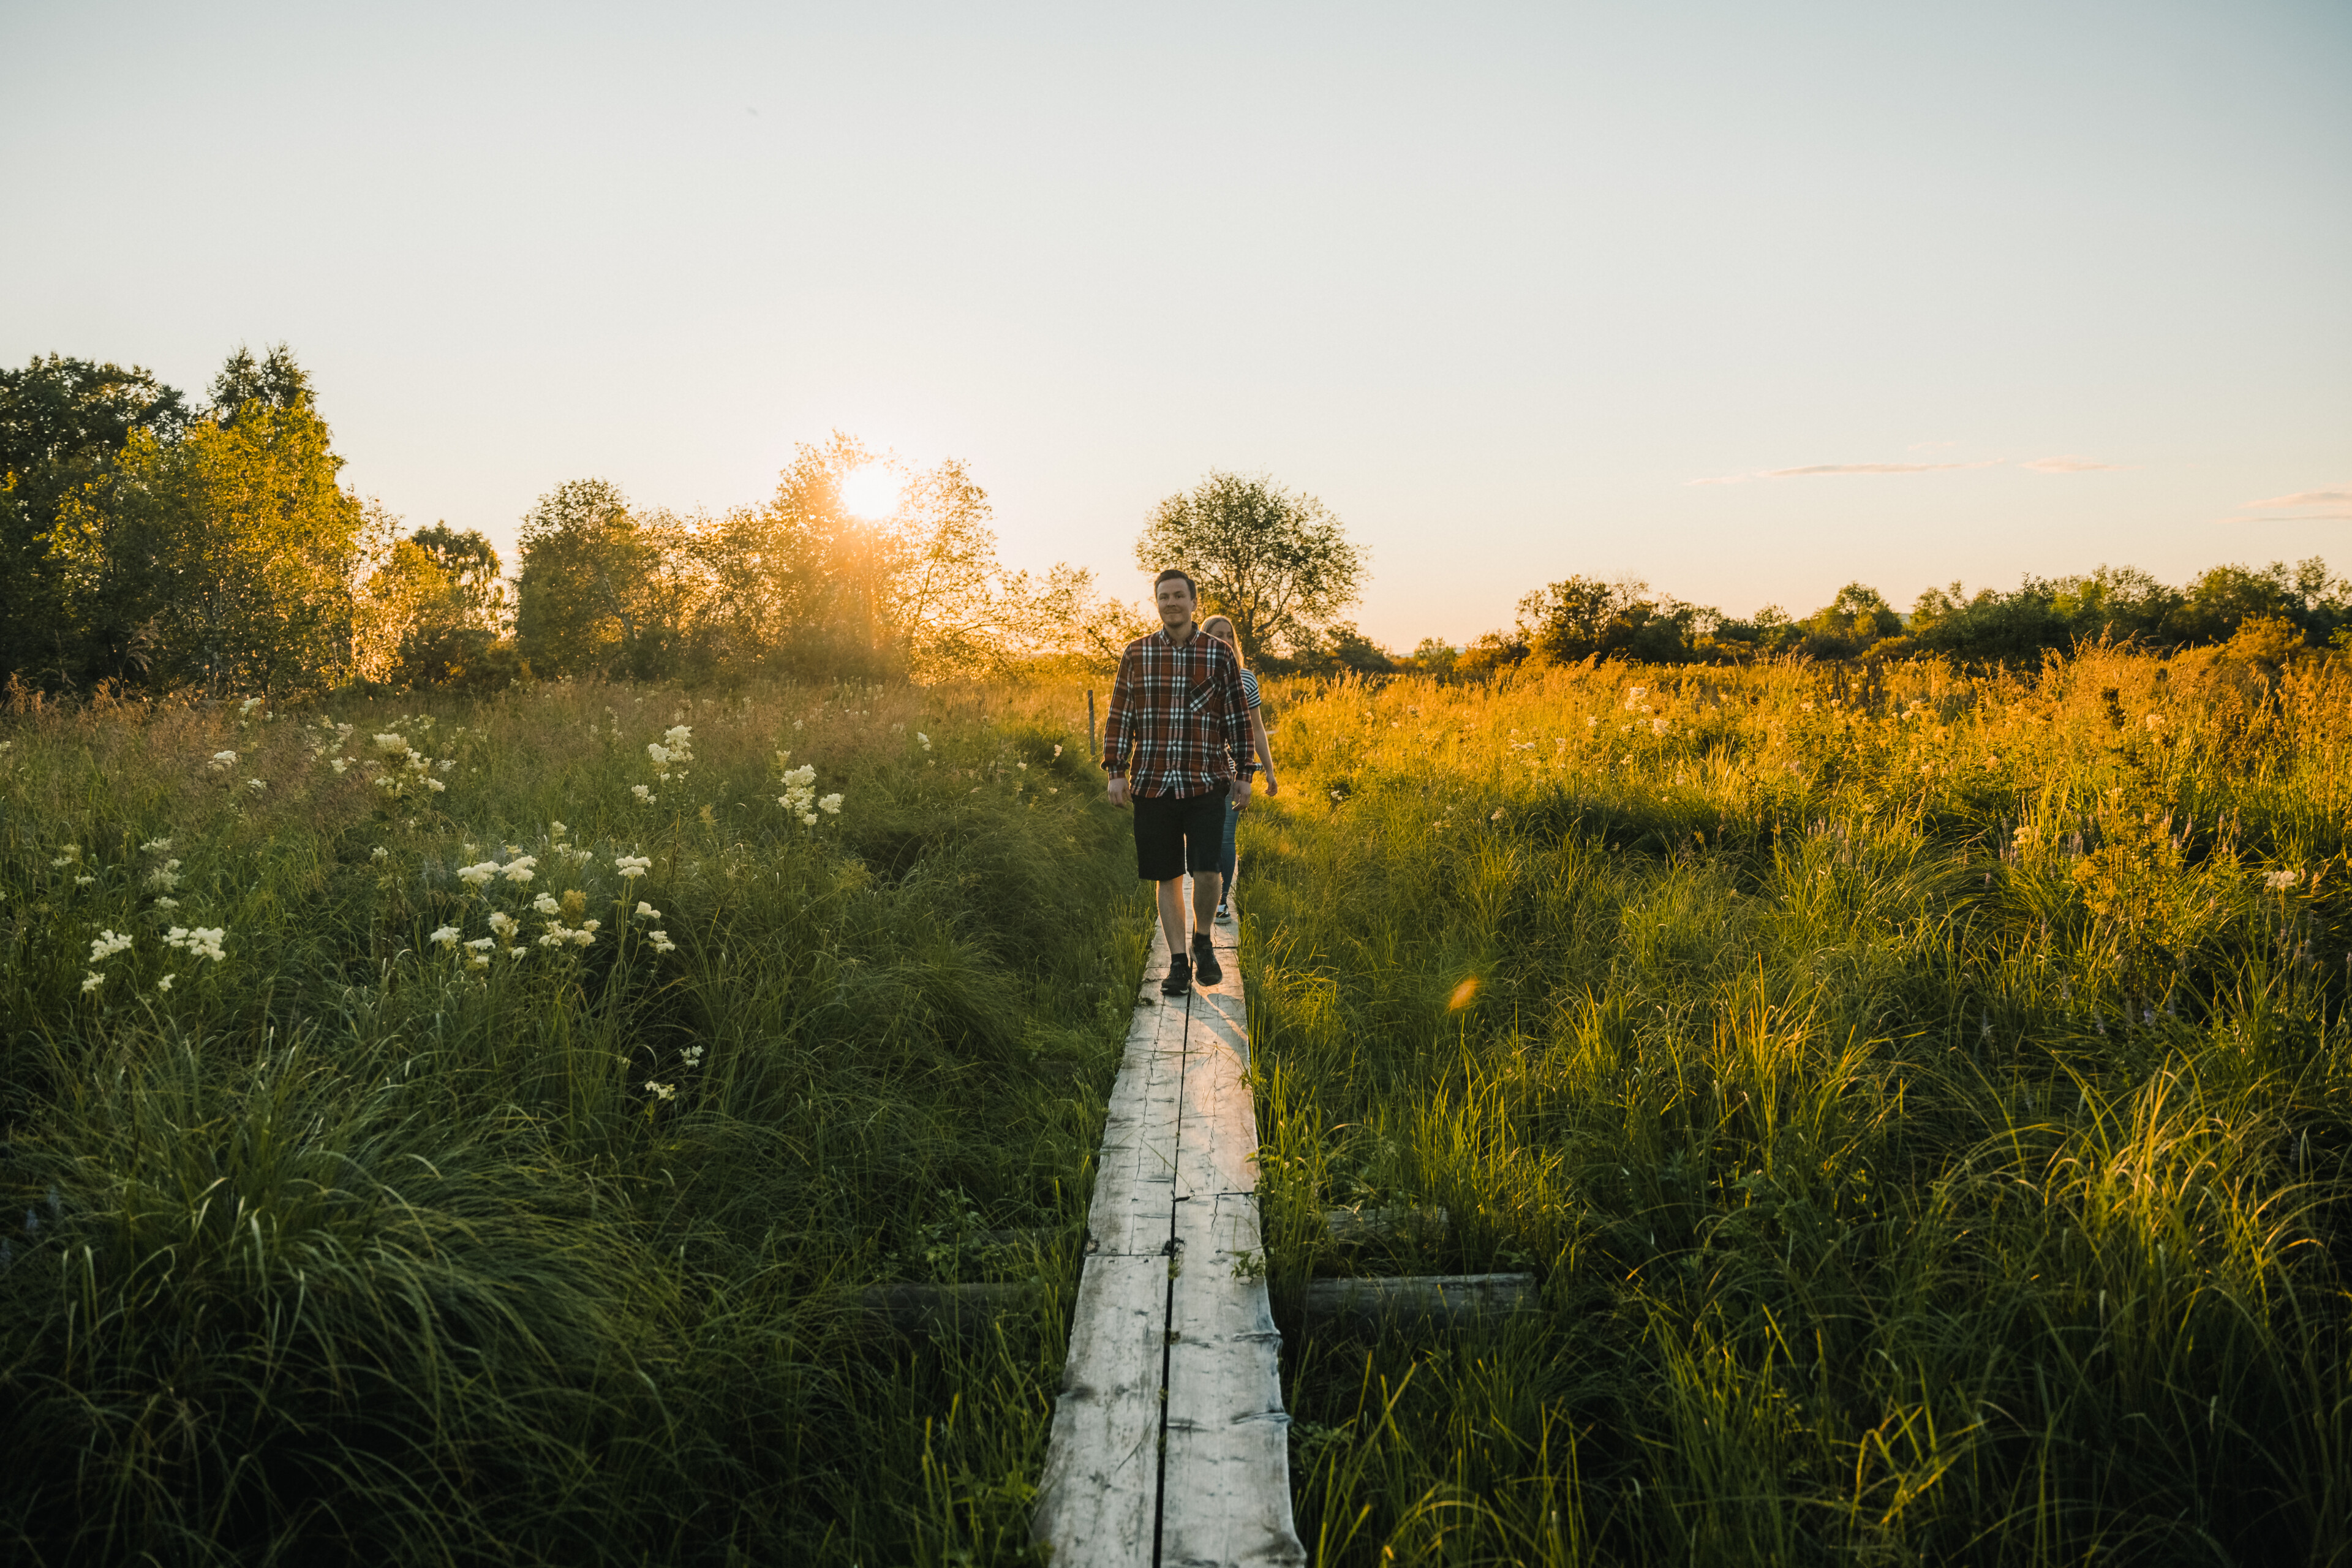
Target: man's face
1175, 596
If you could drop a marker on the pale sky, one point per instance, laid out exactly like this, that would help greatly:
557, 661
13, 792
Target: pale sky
1748, 300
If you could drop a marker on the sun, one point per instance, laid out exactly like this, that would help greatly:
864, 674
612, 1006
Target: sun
870, 491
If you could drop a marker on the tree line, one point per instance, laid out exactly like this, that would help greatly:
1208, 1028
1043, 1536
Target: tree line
2273, 611
152, 541
149, 540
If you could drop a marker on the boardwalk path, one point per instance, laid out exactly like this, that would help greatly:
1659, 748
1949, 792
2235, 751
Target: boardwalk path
1169, 1447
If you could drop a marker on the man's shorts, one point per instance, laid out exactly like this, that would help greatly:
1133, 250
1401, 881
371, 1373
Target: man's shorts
1176, 834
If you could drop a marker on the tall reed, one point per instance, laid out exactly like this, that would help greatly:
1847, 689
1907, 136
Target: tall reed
478, 1149
1922, 1098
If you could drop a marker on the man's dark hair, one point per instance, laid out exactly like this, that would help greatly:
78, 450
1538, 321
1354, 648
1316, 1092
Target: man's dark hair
1177, 572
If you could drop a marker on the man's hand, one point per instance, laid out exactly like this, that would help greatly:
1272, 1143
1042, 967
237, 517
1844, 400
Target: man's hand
1117, 792
1272, 788
1241, 794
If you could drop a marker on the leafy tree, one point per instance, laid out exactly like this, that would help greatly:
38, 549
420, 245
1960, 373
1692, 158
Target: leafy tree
1491, 652
224, 558
603, 589
1278, 564
431, 613
1434, 657
273, 381
1583, 618
62, 422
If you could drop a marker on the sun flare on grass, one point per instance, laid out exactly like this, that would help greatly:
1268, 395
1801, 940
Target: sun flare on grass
871, 491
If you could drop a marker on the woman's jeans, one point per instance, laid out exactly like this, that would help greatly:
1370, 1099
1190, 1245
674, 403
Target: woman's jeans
1232, 820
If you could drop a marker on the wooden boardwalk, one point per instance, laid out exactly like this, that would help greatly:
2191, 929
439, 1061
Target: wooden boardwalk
1170, 1445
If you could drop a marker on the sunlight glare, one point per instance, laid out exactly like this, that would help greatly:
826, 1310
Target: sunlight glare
870, 491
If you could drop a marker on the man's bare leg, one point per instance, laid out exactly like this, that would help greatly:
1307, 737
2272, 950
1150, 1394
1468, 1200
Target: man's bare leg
1172, 915
1206, 886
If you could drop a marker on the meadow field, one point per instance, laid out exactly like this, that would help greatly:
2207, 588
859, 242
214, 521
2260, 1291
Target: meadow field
445, 1130
1922, 1098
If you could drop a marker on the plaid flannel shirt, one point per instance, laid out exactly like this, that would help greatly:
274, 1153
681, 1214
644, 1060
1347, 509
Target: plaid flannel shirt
1180, 710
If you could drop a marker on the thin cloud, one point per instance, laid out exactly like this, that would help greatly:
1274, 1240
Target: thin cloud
2067, 465
2334, 495
2295, 517
1813, 469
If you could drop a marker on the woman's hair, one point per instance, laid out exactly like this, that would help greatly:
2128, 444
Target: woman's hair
1229, 639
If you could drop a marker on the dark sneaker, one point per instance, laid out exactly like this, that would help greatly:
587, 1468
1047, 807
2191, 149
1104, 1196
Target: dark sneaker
1180, 976
1205, 961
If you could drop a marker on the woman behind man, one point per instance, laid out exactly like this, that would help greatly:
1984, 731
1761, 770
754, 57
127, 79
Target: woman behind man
1221, 629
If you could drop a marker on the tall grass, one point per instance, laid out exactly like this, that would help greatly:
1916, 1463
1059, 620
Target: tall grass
1924, 1103
349, 1243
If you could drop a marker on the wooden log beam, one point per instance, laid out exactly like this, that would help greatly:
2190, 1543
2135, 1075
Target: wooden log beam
1437, 1301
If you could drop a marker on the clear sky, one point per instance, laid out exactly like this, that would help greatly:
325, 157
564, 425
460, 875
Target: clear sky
1745, 300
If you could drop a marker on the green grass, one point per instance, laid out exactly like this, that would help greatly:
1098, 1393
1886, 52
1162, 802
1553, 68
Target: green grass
1929, 1125
342, 1247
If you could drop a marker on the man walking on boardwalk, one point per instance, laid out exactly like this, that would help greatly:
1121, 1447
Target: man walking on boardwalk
1177, 744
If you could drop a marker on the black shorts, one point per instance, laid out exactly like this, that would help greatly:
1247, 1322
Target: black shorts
1176, 834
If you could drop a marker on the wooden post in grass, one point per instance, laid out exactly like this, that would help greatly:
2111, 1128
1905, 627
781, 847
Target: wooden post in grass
1092, 750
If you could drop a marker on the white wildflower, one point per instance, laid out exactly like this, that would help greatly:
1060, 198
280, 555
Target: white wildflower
378, 853
477, 875
436, 785
477, 960
661, 943
201, 940
659, 753
556, 830
646, 911
645, 796
257, 785
802, 776
72, 857
808, 819
165, 983
222, 761
520, 869
632, 866
91, 981
392, 745
446, 936
156, 846
480, 944
926, 740
248, 706
502, 922
2280, 881
167, 903
339, 763
830, 806
665, 1090
545, 904
85, 881
166, 875
107, 945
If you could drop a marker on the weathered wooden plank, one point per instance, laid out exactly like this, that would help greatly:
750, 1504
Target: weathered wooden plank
1134, 1173
1440, 1301
1228, 1490
1228, 1460
1098, 1499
